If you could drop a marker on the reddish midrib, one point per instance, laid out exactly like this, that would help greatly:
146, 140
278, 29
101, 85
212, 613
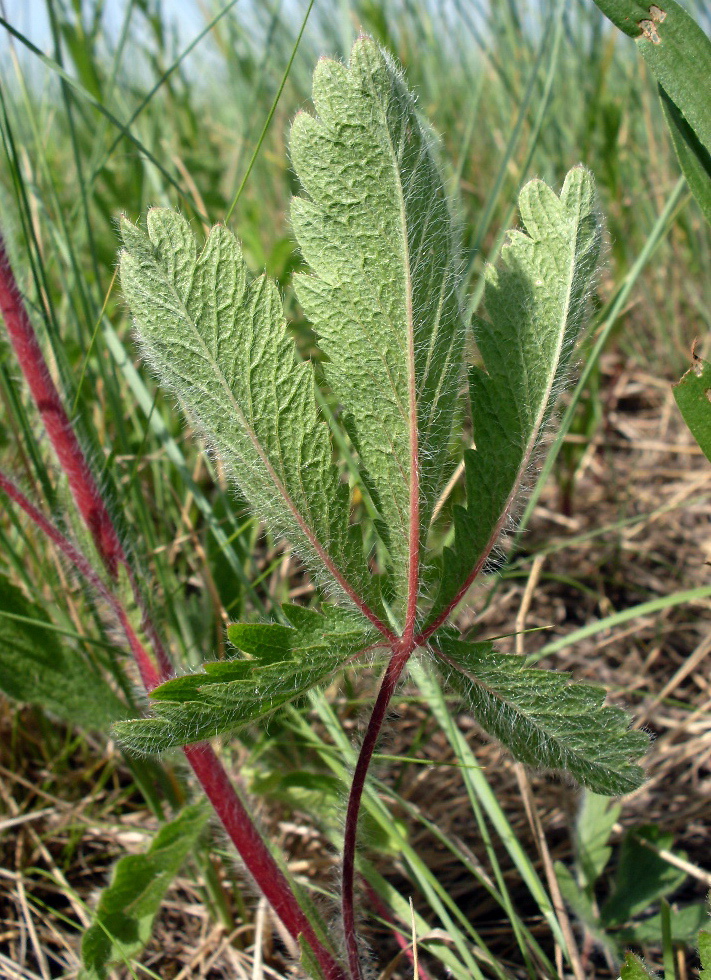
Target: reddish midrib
306, 530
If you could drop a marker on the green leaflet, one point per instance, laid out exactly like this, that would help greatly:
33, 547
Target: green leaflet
684, 925
223, 345
677, 52
535, 303
377, 231
37, 668
285, 663
693, 396
546, 721
123, 921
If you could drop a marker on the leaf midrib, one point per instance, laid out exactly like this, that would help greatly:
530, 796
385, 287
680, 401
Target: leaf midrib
544, 734
414, 488
306, 530
526, 458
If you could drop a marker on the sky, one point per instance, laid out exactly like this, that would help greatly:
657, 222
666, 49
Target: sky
30, 18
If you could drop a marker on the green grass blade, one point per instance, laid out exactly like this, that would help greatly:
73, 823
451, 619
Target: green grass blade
694, 159
616, 619
677, 52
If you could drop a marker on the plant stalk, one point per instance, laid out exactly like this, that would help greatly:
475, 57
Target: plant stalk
203, 760
387, 689
72, 459
54, 417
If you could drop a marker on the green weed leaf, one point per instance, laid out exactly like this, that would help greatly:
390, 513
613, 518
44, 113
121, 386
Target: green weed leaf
693, 396
694, 159
375, 226
123, 921
535, 303
546, 721
593, 827
284, 663
376, 229
37, 668
684, 924
642, 876
222, 344
634, 969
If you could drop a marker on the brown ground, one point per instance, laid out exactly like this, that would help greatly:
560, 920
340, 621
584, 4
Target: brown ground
66, 817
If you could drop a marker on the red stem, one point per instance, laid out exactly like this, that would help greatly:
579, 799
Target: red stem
46, 397
387, 688
145, 665
204, 762
71, 458
92, 508
253, 851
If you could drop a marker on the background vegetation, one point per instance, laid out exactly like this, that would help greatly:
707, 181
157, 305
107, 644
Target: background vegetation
114, 114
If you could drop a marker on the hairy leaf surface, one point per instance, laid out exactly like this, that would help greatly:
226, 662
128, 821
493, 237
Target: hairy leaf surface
377, 231
375, 226
534, 301
222, 344
123, 921
37, 668
285, 663
546, 721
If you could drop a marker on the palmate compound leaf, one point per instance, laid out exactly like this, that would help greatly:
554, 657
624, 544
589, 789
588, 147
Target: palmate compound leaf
546, 721
222, 344
285, 662
376, 229
534, 301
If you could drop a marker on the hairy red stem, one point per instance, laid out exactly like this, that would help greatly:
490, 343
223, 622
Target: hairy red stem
387, 688
145, 665
204, 762
71, 457
56, 422
253, 851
